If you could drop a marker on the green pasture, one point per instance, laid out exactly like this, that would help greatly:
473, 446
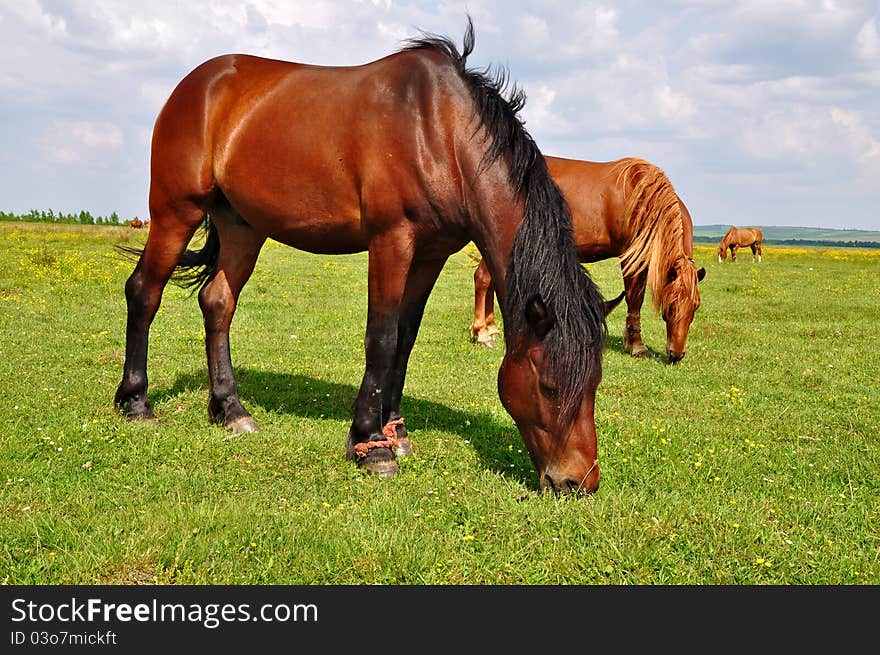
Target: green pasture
754, 461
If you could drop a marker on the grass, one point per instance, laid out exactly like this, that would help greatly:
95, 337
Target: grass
755, 461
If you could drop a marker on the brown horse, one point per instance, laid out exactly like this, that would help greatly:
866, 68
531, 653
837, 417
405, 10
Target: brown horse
409, 158
626, 208
740, 237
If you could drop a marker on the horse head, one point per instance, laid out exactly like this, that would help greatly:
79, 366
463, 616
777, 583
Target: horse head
679, 301
560, 439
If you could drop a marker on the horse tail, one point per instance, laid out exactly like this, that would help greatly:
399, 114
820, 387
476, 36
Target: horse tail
194, 268
653, 217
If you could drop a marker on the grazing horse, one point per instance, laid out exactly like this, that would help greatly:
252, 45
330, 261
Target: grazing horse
739, 237
409, 158
626, 208
136, 223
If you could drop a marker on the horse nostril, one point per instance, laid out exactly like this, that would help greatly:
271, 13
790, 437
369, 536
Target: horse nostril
675, 357
565, 488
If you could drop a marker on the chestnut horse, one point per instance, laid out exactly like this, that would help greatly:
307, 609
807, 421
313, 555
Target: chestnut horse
626, 208
740, 237
409, 158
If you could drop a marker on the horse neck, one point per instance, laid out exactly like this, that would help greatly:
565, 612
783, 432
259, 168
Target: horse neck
527, 242
494, 220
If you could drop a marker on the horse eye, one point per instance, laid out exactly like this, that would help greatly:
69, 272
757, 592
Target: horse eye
550, 392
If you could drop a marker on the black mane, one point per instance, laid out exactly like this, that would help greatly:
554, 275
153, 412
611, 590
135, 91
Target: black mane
543, 262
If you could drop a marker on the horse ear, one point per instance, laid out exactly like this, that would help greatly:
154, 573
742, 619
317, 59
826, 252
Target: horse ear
701, 273
539, 317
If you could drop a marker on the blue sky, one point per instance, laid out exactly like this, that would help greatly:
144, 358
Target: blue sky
761, 112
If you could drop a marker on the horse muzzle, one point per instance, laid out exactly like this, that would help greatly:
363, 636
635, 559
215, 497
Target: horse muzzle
675, 356
568, 485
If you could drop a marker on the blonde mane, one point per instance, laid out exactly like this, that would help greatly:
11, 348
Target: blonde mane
653, 217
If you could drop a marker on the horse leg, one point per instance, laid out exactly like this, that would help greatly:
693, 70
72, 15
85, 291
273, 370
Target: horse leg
239, 248
760, 252
418, 287
482, 303
170, 232
635, 295
733, 250
390, 255
754, 252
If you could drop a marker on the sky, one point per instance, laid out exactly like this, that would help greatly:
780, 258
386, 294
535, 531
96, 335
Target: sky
761, 112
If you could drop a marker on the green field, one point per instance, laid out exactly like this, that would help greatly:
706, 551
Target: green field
754, 461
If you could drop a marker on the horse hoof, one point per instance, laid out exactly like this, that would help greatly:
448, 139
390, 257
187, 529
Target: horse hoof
243, 425
640, 352
141, 415
404, 447
383, 468
487, 343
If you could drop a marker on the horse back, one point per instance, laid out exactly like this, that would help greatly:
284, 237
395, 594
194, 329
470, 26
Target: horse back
749, 235
596, 199
598, 193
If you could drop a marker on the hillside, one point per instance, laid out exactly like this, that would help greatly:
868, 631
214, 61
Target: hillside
792, 235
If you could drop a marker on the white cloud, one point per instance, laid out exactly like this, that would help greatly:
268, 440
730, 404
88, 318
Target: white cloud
539, 111
79, 141
868, 42
535, 28
784, 94
857, 133
32, 15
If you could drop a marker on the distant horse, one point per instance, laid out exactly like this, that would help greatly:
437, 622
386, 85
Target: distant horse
136, 223
626, 208
739, 237
409, 157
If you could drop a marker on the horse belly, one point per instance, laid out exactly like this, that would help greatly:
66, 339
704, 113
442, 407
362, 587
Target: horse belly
295, 198
326, 238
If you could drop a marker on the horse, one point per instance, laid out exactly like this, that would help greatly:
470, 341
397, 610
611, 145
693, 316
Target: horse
409, 158
739, 237
136, 223
626, 208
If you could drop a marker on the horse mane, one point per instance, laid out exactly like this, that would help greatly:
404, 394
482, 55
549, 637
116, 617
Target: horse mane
653, 217
543, 261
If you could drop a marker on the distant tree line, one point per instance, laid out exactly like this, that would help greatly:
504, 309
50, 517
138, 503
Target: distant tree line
802, 242
49, 216
86, 218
